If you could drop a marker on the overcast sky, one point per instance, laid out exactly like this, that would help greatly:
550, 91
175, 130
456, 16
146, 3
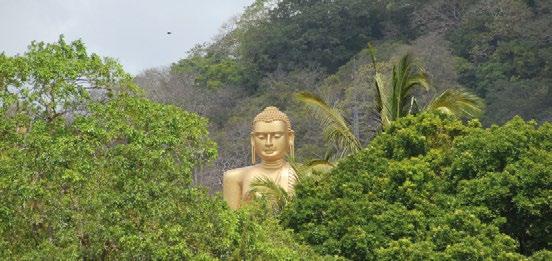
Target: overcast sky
135, 32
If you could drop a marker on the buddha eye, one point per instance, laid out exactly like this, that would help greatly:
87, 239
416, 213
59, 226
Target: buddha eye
276, 136
261, 136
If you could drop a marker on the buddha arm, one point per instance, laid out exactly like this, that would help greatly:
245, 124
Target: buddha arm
231, 189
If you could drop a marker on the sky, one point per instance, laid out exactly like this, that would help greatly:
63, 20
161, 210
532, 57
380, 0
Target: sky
134, 32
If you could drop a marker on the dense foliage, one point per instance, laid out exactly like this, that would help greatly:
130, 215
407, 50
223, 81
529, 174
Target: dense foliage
116, 184
506, 51
433, 188
90, 170
212, 70
299, 34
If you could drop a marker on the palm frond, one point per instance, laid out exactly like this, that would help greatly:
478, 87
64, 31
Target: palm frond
461, 103
274, 193
395, 100
384, 98
401, 75
336, 129
410, 76
419, 79
381, 94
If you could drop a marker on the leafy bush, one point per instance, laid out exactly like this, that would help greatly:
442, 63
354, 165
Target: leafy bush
431, 187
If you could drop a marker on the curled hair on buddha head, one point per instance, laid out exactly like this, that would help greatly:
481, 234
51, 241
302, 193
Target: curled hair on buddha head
270, 114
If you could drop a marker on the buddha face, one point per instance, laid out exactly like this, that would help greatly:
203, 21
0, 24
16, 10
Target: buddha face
271, 140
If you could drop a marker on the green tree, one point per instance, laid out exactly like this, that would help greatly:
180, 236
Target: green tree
51, 80
506, 169
396, 99
413, 193
111, 179
117, 184
211, 69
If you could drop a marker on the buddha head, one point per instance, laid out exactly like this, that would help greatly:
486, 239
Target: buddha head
271, 135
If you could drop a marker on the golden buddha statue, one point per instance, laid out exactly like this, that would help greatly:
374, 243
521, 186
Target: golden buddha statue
271, 139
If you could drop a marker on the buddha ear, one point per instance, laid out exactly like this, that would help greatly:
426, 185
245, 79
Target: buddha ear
291, 137
291, 142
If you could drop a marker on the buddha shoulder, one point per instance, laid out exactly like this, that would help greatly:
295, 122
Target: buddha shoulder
237, 174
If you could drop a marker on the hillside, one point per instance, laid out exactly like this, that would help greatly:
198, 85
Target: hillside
500, 50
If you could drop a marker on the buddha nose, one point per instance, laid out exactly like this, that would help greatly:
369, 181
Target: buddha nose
268, 141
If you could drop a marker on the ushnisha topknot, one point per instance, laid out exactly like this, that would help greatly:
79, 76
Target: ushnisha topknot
269, 114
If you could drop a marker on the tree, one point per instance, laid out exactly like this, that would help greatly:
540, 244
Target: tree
506, 169
117, 184
113, 180
395, 100
211, 69
52, 80
410, 194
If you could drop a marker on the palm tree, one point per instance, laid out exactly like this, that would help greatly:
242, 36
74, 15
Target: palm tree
395, 100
